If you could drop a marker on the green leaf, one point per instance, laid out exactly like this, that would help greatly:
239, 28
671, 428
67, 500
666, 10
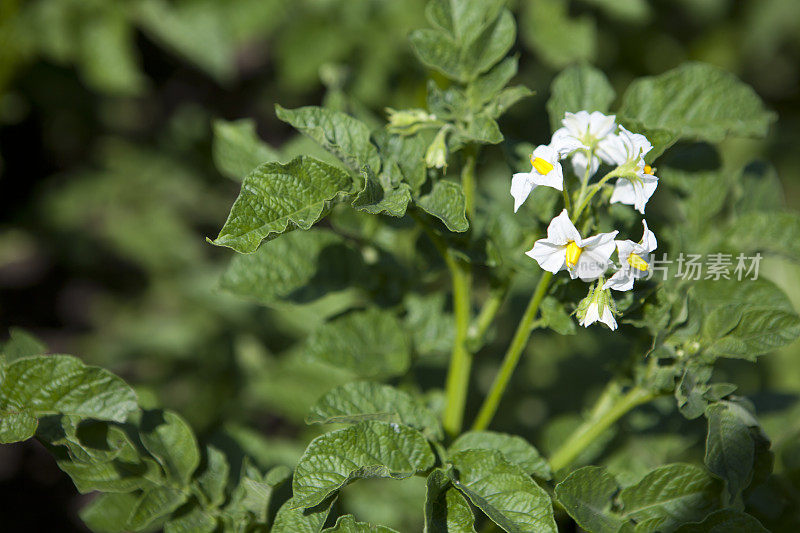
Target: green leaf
171, 441
723, 521
191, 520
109, 512
253, 494
503, 491
237, 149
446, 202
58, 384
408, 153
123, 474
348, 524
369, 343
300, 265
367, 450
555, 37
486, 87
430, 325
696, 101
291, 519
514, 449
446, 510
588, 494
730, 450
278, 197
769, 232
482, 129
214, 477
626, 11
362, 400
470, 37
678, 493
156, 503
380, 196
342, 135
578, 88
555, 317
21, 344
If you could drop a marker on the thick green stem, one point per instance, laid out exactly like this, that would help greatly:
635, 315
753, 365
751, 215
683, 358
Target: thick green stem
515, 349
461, 358
610, 407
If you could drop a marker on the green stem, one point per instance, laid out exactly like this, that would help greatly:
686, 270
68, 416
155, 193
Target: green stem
478, 328
515, 349
468, 179
461, 358
610, 407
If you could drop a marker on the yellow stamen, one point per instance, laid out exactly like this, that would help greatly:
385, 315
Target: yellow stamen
542, 167
573, 253
649, 170
637, 262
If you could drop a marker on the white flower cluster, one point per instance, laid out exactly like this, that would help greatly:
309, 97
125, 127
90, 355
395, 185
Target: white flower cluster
589, 139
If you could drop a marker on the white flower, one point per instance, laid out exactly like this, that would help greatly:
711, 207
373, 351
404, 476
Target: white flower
546, 171
634, 259
627, 150
598, 306
564, 248
581, 132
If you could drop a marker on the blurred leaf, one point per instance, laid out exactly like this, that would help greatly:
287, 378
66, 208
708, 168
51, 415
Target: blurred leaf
768, 231
301, 264
588, 495
156, 503
446, 510
36, 386
191, 520
676, 493
628, 11
365, 450
431, 327
342, 135
555, 317
369, 343
730, 450
363, 400
724, 520
578, 88
237, 149
348, 524
555, 37
108, 513
514, 449
277, 197
214, 477
696, 101
21, 344
446, 202
502, 490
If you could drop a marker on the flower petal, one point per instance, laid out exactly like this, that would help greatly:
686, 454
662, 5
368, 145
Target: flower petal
521, 187
551, 257
608, 318
561, 230
622, 280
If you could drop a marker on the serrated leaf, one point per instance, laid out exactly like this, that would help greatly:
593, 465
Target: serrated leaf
366, 450
588, 495
156, 503
342, 135
108, 513
723, 521
379, 196
301, 265
730, 450
369, 343
291, 519
277, 197
678, 493
557, 38
237, 149
21, 344
58, 384
578, 88
348, 524
696, 101
446, 510
514, 449
171, 441
446, 202
502, 490
362, 400
214, 477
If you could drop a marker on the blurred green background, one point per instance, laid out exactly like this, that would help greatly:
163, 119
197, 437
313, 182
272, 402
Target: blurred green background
108, 189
